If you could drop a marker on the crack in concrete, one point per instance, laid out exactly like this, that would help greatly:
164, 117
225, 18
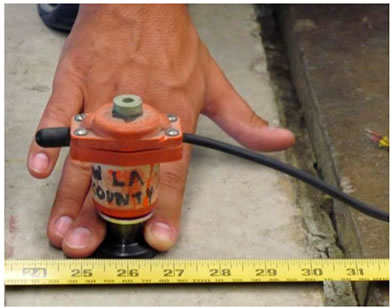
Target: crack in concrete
318, 220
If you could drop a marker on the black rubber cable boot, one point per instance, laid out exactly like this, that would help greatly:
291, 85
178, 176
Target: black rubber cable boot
60, 17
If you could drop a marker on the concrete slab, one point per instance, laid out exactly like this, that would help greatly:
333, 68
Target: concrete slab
257, 219
339, 60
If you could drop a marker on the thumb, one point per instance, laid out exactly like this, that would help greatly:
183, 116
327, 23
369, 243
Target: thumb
162, 230
227, 109
66, 101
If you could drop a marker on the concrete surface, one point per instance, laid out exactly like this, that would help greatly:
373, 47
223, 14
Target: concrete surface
258, 218
339, 60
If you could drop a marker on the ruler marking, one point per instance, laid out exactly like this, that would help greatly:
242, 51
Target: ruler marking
311, 269
14, 271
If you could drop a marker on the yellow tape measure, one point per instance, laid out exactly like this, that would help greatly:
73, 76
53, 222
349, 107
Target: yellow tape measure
107, 271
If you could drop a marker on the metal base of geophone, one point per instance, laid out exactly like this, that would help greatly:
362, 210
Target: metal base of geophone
126, 141
124, 239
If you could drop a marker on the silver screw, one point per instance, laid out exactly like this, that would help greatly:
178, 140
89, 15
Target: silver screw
80, 132
172, 132
80, 117
172, 117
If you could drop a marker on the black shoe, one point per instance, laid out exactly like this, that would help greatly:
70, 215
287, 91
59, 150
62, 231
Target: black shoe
58, 16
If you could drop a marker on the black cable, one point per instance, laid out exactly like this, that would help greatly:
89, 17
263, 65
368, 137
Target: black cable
290, 170
57, 137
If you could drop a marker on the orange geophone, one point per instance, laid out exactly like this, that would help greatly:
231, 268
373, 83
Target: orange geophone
126, 141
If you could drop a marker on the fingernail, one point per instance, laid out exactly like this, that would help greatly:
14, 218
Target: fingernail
281, 130
79, 238
162, 232
39, 162
274, 124
62, 224
273, 129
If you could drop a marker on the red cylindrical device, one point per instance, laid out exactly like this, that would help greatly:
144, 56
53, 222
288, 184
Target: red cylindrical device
126, 141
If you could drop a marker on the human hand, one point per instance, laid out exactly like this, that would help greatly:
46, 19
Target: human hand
152, 51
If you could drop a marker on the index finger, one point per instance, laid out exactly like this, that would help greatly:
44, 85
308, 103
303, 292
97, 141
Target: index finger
66, 101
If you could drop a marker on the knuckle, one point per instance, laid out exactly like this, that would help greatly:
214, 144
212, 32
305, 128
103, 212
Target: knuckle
173, 180
67, 206
83, 166
66, 73
255, 121
58, 113
210, 109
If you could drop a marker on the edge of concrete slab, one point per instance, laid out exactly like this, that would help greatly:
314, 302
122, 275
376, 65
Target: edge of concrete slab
345, 221
315, 208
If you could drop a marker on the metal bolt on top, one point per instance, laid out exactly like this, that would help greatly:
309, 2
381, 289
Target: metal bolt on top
172, 132
172, 117
80, 117
80, 132
127, 106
